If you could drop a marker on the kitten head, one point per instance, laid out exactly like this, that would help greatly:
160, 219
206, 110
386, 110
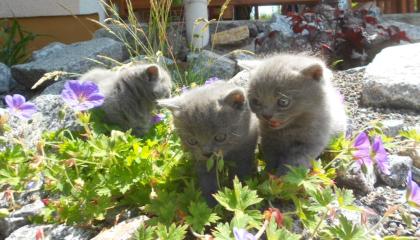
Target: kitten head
284, 87
211, 118
148, 80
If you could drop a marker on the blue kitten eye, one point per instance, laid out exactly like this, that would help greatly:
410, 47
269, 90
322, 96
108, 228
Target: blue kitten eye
220, 137
255, 102
192, 141
283, 102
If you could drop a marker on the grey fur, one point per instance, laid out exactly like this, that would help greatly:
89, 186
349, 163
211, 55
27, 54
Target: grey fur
312, 110
206, 112
131, 93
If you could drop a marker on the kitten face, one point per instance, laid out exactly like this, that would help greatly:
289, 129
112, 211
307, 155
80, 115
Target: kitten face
210, 119
282, 90
150, 81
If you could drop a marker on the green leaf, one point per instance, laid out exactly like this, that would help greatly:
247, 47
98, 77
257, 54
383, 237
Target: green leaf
4, 212
323, 197
173, 232
200, 215
145, 233
240, 198
345, 230
210, 164
275, 233
223, 232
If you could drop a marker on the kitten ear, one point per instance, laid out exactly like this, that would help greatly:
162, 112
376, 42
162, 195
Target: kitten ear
152, 72
249, 64
314, 71
235, 98
170, 103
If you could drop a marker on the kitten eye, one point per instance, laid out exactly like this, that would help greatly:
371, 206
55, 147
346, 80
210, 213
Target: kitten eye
255, 102
192, 141
283, 102
220, 137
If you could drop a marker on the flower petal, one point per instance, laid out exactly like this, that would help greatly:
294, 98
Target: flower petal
381, 156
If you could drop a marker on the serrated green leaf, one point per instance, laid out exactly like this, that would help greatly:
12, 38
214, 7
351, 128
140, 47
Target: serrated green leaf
200, 216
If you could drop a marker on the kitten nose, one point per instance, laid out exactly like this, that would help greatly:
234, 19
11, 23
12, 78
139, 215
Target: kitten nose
207, 154
267, 116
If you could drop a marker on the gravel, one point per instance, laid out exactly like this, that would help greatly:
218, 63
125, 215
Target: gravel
349, 83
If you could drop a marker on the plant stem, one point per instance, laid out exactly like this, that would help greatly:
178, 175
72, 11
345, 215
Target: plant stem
262, 230
324, 215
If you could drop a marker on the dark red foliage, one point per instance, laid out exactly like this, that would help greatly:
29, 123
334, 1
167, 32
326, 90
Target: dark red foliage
371, 20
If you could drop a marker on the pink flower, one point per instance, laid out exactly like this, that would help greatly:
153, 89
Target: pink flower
362, 146
82, 96
381, 156
242, 234
413, 192
18, 106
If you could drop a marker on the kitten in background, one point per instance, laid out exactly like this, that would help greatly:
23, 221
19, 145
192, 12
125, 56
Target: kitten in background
216, 118
299, 110
131, 94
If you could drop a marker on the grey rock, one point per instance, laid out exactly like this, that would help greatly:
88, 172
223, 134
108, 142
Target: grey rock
122, 231
19, 218
52, 232
354, 178
399, 166
47, 50
73, 58
46, 119
6, 80
412, 31
392, 127
282, 24
391, 80
209, 64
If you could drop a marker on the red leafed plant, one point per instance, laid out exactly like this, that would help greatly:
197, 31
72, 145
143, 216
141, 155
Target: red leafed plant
347, 35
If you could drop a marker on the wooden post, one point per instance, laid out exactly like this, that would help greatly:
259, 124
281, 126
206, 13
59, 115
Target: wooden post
387, 8
257, 14
403, 6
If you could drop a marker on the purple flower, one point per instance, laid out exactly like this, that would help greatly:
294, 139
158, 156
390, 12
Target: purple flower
211, 80
242, 234
81, 95
381, 156
362, 153
157, 118
413, 192
18, 106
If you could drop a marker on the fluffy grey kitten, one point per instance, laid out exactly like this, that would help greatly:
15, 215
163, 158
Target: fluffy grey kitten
131, 93
299, 110
216, 118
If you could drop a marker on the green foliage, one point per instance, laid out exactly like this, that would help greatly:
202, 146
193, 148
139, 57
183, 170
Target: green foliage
200, 216
411, 134
160, 231
13, 42
345, 230
275, 233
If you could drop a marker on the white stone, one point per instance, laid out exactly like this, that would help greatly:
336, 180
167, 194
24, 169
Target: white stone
392, 79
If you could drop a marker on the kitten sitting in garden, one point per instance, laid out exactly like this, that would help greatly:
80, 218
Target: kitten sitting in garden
299, 110
131, 94
211, 119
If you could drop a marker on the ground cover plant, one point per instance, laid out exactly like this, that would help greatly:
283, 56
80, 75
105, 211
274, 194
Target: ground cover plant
94, 174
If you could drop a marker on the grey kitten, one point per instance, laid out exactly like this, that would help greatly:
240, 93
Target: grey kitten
212, 118
299, 110
131, 93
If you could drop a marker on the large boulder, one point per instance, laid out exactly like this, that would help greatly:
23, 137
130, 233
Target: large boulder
6, 80
209, 64
73, 58
399, 166
391, 80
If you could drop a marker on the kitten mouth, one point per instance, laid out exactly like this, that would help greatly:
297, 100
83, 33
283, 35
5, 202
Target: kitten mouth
276, 124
